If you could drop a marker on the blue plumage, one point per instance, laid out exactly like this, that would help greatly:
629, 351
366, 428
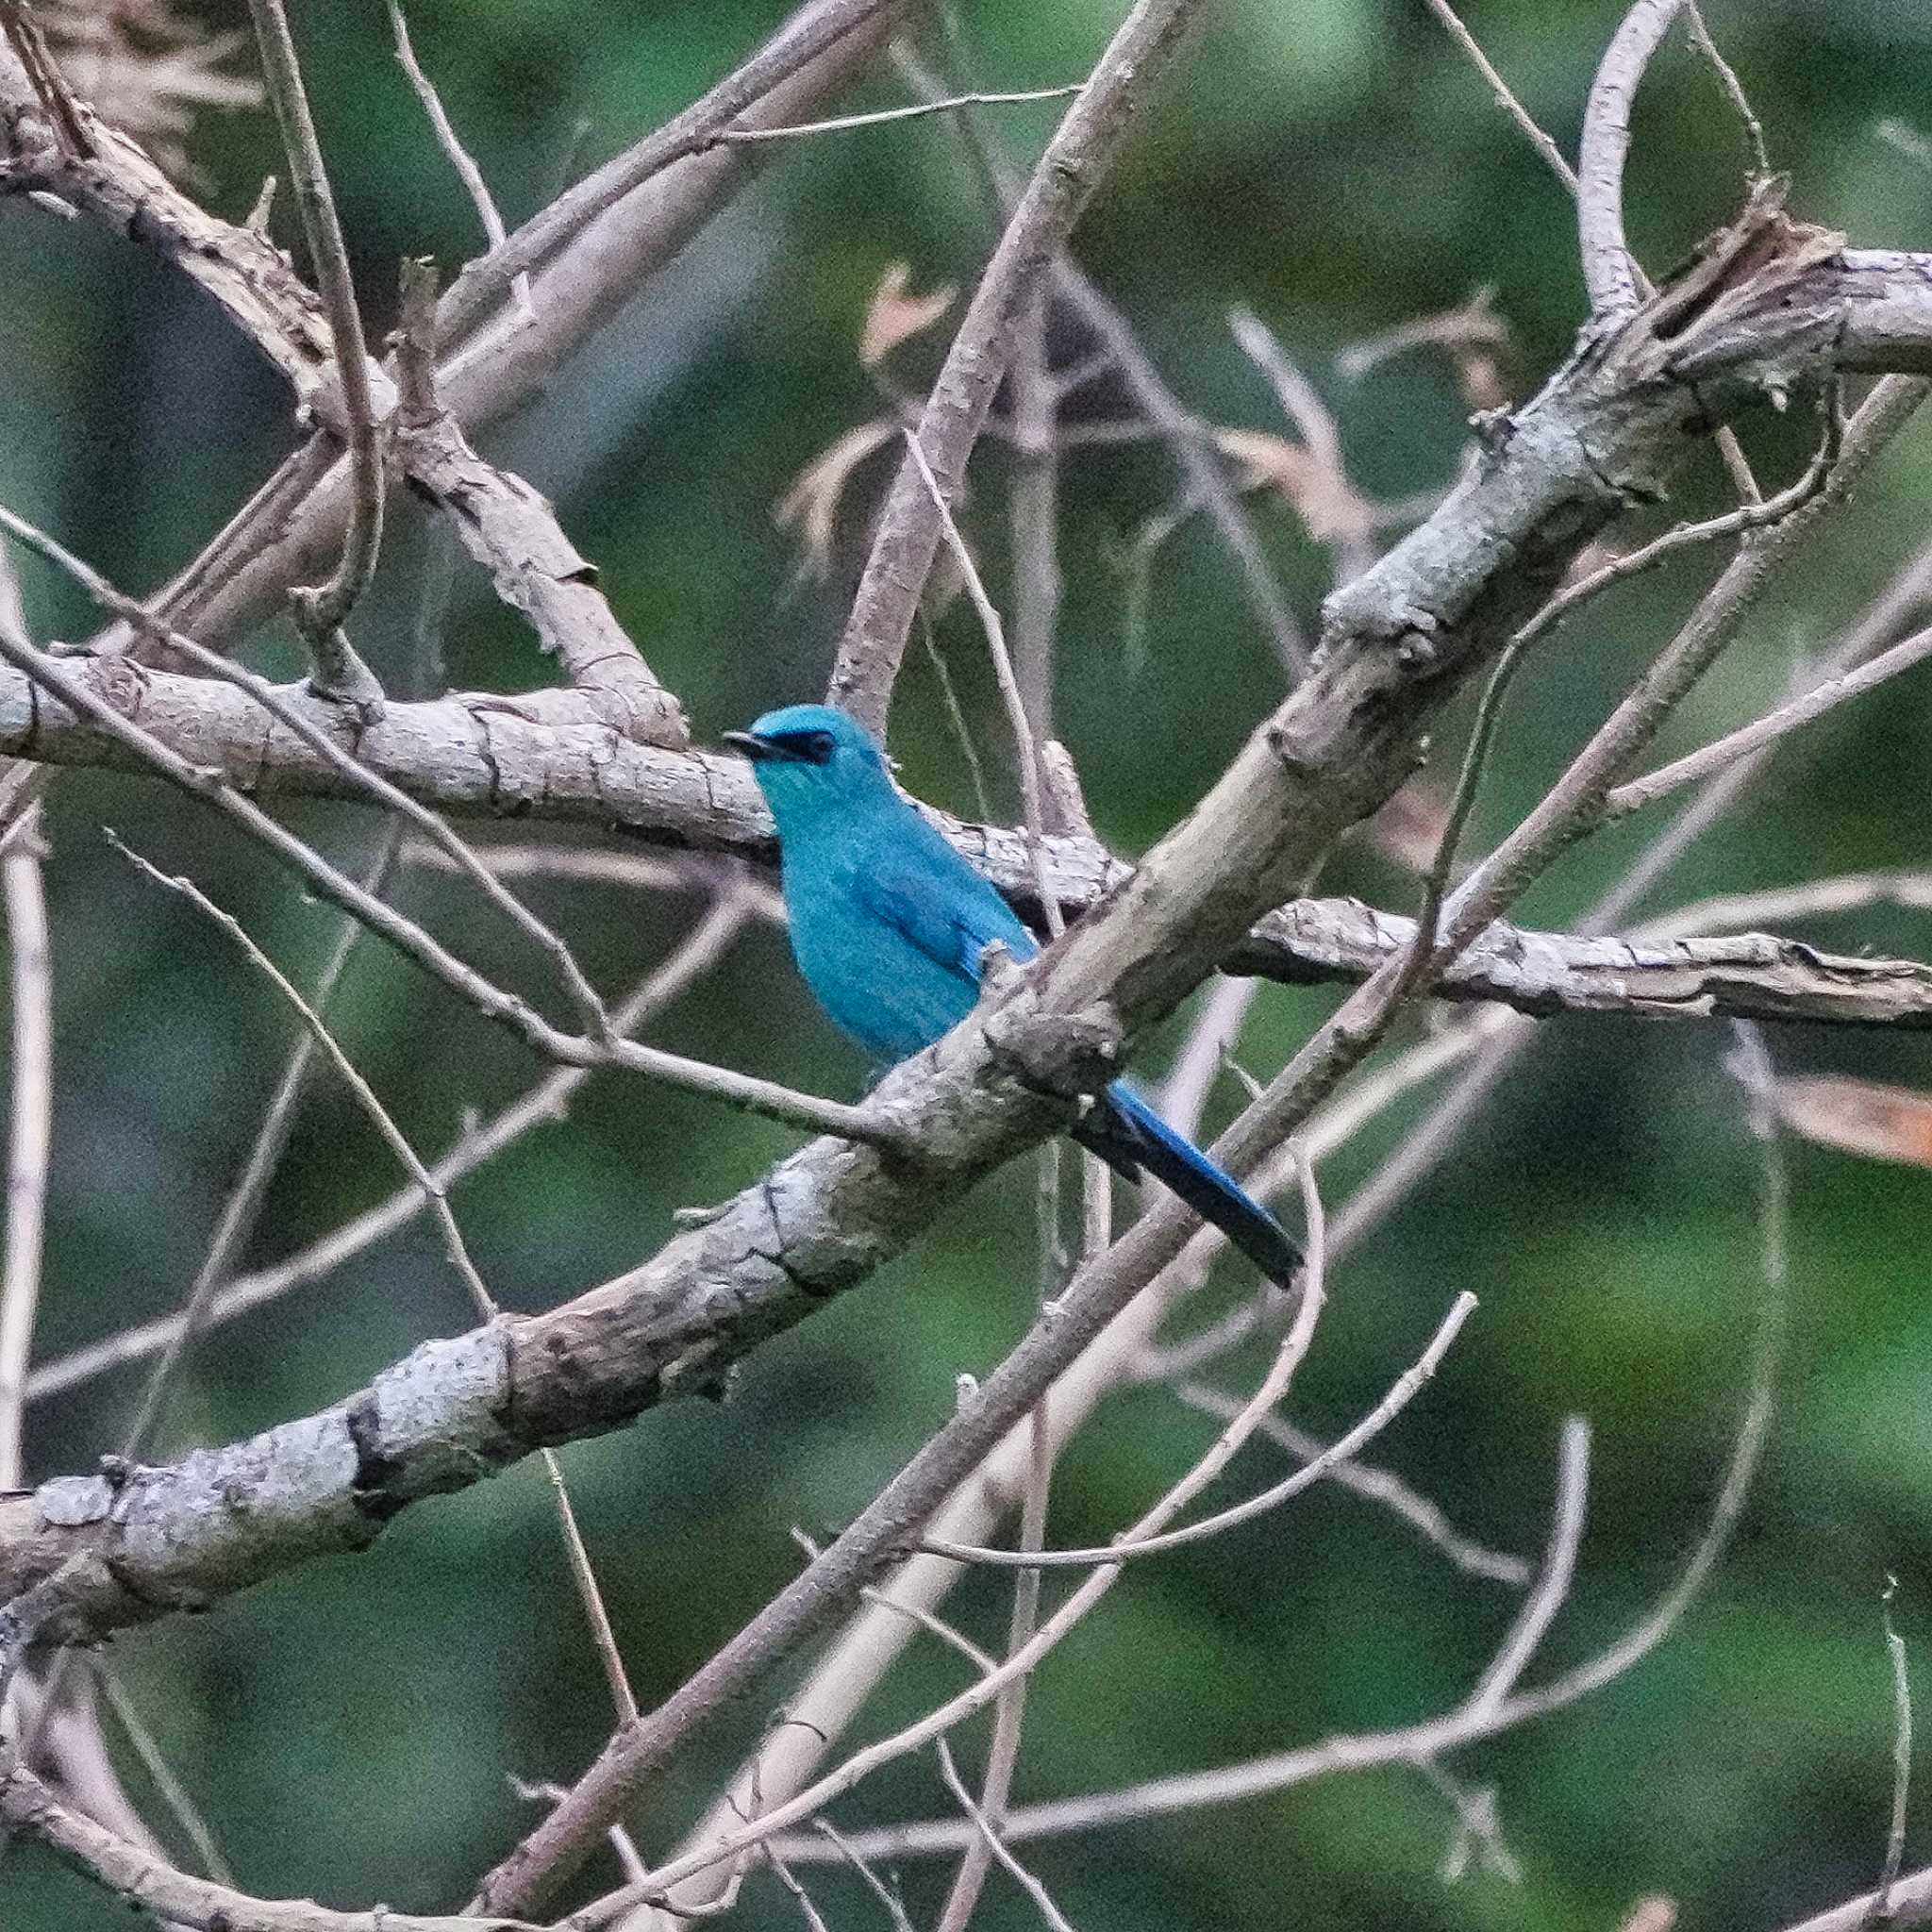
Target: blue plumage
890, 927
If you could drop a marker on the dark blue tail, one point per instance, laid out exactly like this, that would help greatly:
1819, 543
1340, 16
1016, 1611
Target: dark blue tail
1130, 1136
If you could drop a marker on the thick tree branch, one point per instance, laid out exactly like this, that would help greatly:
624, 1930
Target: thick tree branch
549, 756
295, 523
89, 1555
502, 522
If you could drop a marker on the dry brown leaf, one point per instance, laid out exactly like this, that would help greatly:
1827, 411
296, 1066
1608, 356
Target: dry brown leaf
1479, 376
812, 501
1409, 829
1654, 1914
1472, 324
1860, 1116
147, 69
1320, 495
893, 316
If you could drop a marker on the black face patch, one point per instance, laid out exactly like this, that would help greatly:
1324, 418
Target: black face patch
808, 747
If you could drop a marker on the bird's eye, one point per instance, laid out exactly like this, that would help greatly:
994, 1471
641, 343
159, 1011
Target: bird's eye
818, 747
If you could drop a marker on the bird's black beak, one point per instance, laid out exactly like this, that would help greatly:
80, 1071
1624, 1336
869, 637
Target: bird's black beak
748, 744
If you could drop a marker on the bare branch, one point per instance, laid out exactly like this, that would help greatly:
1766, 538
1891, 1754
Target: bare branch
1609, 271
1069, 171
1467, 42
841, 124
31, 1119
508, 528
504, 1007
174, 1794
1189, 440
1824, 697
1553, 1581
1733, 88
582, 993
1031, 775
996, 1847
454, 1245
340, 673
810, 32
1398, 1396
239, 1212
548, 1100
1375, 1485
173, 1898
458, 156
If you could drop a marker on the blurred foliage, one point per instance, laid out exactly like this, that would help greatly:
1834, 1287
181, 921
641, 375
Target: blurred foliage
350, 1729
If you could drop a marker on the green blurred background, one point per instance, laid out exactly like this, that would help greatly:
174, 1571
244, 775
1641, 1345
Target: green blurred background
1334, 164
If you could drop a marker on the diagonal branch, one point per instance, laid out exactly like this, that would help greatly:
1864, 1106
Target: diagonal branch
1071, 168
174, 1898
82, 1558
320, 612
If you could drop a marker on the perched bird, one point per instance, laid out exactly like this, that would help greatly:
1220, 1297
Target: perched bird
890, 927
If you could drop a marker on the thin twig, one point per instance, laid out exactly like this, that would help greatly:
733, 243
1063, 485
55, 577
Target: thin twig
895, 1911
31, 1128
1901, 1754
1026, 1658
1069, 170
1609, 271
1573, 805
1376, 1485
174, 1793
547, 1100
840, 124
1033, 520
321, 612
813, 30
458, 156
240, 1211
996, 1848
915, 1614
1505, 1040
1539, 1611
1547, 148
1733, 88
1394, 1399
437, 1197
1028, 751
1826, 695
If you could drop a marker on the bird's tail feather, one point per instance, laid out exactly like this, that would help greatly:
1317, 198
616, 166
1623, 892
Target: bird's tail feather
1130, 1136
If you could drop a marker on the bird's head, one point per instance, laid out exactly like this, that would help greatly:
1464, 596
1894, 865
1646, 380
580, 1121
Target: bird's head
810, 759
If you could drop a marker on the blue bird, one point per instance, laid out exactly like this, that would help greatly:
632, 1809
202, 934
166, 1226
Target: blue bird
890, 927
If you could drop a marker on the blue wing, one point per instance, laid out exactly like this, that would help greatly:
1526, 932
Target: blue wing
935, 922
